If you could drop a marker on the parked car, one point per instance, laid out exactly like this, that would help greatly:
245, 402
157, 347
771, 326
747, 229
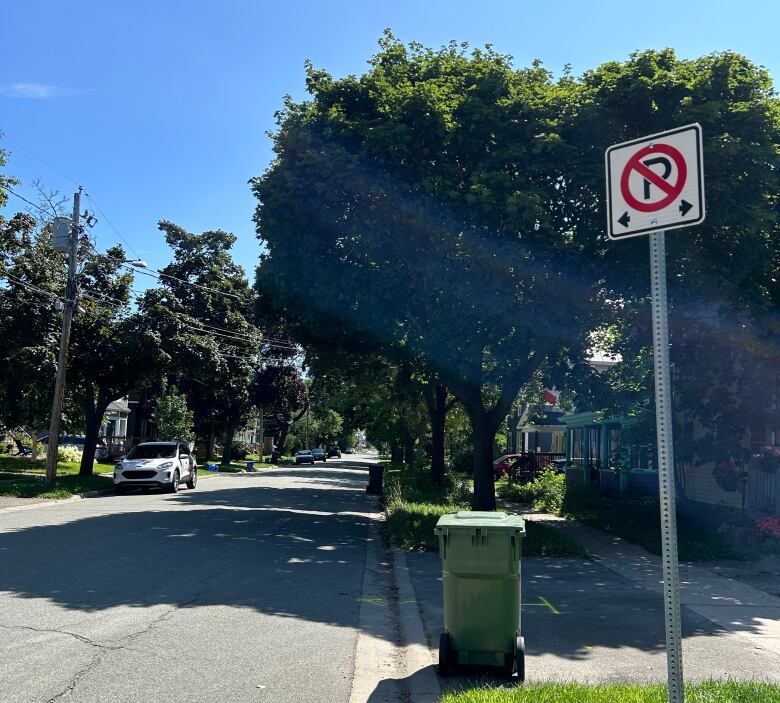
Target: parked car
502, 465
349, 450
304, 457
334, 451
156, 465
319, 454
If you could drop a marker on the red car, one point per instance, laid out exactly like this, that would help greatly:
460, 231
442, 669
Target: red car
503, 463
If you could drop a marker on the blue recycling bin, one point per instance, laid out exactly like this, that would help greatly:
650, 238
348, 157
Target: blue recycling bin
250, 466
212, 467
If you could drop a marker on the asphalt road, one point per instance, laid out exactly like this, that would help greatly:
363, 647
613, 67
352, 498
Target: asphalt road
246, 589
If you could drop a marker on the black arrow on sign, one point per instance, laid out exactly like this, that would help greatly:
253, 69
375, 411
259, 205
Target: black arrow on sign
625, 219
684, 207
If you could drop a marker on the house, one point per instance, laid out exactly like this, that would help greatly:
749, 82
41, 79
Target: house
537, 431
599, 453
127, 422
604, 452
113, 431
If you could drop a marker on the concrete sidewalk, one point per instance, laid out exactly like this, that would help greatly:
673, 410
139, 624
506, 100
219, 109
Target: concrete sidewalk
601, 619
731, 605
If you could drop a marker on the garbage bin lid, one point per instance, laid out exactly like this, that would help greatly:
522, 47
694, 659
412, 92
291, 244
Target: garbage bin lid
466, 519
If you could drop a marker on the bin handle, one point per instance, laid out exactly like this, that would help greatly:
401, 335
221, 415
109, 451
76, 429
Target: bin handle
482, 536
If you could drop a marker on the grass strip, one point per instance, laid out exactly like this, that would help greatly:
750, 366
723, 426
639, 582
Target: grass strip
414, 504
705, 692
65, 487
23, 465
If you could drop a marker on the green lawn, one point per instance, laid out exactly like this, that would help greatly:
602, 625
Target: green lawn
707, 692
13, 464
66, 486
638, 520
23, 478
414, 504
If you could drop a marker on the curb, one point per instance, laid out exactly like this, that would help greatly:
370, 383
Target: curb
420, 672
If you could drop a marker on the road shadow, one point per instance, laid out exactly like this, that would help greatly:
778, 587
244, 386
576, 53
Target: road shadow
299, 552
296, 552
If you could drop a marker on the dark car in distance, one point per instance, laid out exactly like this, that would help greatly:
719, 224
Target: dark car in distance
334, 451
304, 457
319, 454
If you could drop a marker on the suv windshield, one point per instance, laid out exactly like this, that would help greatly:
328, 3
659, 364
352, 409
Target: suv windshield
153, 451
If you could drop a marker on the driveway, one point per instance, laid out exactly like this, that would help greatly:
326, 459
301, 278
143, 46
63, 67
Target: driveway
245, 589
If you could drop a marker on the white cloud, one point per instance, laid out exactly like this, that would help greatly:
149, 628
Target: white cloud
34, 91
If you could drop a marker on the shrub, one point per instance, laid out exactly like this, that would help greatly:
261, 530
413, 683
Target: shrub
462, 460
768, 528
239, 451
729, 476
546, 492
68, 452
411, 518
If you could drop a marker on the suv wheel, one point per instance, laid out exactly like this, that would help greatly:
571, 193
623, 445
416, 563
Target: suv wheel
173, 486
193, 480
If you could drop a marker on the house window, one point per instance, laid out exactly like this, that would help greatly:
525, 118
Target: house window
613, 445
576, 445
594, 446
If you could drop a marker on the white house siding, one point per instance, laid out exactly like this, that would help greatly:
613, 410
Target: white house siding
701, 486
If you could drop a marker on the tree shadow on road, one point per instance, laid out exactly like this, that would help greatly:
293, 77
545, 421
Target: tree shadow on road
298, 552
291, 552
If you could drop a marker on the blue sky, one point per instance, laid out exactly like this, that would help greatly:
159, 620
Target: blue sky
160, 108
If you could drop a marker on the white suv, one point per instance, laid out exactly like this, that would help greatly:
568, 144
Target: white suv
156, 465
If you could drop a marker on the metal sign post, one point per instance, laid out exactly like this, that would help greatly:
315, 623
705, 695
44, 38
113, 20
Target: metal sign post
653, 184
665, 456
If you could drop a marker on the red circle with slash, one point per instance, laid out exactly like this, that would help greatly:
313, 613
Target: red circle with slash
672, 190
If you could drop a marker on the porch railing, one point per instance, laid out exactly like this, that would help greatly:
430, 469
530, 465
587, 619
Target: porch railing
530, 464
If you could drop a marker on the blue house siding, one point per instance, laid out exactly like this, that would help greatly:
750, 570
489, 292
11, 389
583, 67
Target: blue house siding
589, 451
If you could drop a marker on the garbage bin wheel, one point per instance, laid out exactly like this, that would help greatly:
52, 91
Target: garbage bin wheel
445, 656
520, 658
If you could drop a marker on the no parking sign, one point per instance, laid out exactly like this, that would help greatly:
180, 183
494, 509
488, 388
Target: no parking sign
655, 183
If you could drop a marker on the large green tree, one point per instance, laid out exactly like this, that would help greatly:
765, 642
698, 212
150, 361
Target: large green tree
202, 312
29, 325
113, 350
723, 283
430, 197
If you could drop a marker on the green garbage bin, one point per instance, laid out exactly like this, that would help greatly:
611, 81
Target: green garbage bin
480, 553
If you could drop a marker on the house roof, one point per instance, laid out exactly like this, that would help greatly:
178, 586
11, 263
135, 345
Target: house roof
549, 418
118, 406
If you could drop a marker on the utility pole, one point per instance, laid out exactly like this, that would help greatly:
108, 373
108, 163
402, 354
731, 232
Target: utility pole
62, 359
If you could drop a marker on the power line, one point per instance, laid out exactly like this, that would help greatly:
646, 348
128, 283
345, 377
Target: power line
29, 202
111, 224
30, 286
4, 135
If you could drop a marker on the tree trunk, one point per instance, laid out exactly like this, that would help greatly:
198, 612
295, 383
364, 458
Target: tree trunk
484, 433
94, 416
34, 445
436, 400
396, 453
408, 450
228, 448
210, 442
